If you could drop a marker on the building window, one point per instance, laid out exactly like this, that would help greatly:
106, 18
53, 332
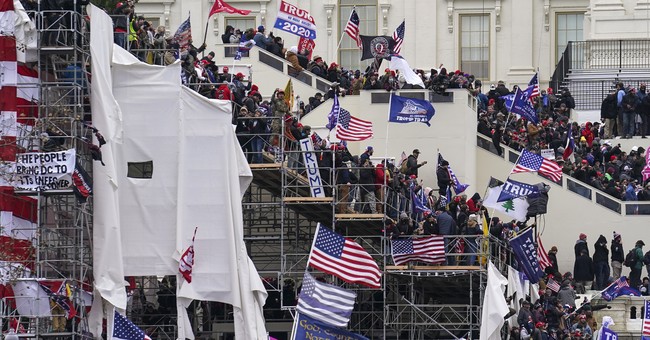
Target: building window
475, 45
242, 24
349, 53
569, 28
140, 169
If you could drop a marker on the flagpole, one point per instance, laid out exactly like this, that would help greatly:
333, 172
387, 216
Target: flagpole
343, 34
390, 100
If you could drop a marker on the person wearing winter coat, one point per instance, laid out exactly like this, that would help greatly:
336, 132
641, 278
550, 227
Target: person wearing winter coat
601, 262
618, 256
581, 244
292, 57
583, 271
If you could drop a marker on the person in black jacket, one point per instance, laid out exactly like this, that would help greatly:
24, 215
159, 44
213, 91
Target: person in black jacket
412, 164
608, 113
581, 244
601, 262
552, 255
583, 271
367, 186
444, 179
618, 256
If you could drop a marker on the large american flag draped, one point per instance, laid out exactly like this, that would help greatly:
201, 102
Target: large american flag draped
124, 329
398, 36
351, 128
334, 254
530, 162
352, 28
646, 321
542, 255
326, 303
183, 35
430, 249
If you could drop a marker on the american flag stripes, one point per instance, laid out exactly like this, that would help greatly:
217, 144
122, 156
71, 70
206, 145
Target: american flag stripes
183, 35
334, 254
398, 36
533, 88
646, 321
124, 329
326, 303
530, 162
430, 249
553, 285
352, 28
542, 255
351, 128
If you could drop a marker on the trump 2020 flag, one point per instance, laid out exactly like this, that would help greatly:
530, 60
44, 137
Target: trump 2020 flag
523, 107
608, 334
513, 189
124, 329
410, 110
325, 302
618, 288
186, 262
526, 255
334, 254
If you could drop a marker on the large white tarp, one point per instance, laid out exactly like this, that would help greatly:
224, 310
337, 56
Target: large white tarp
198, 177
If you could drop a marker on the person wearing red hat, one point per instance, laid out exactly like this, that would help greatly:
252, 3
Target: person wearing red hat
121, 22
240, 87
581, 328
581, 244
225, 76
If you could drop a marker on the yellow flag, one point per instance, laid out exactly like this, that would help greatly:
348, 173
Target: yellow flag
288, 95
486, 228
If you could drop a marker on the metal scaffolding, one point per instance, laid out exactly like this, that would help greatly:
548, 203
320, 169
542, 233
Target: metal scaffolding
62, 237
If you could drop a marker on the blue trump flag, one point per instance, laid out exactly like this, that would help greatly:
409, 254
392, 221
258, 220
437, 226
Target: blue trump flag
618, 288
508, 99
305, 327
410, 110
333, 116
607, 334
526, 254
523, 107
513, 189
419, 205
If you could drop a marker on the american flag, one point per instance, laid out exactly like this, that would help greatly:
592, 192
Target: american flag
334, 254
533, 88
324, 302
186, 263
352, 28
530, 162
351, 128
430, 249
124, 329
553, 285
398, 36
542, 255
183, 35
646, 321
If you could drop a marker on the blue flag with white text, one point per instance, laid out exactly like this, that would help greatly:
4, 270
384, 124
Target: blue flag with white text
526, 254
305, 327
618, 288
607, 334
513, 189
522, 106
410, 110
333, 116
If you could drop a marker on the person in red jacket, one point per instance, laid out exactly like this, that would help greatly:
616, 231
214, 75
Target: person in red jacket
380, 175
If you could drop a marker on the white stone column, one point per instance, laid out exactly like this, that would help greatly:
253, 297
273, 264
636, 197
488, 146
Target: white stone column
521, 44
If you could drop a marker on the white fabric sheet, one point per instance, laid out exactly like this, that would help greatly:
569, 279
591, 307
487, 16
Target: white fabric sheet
494, 304
199, 176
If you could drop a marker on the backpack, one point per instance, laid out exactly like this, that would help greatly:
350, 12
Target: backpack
403, 168
646, 258
630, 258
